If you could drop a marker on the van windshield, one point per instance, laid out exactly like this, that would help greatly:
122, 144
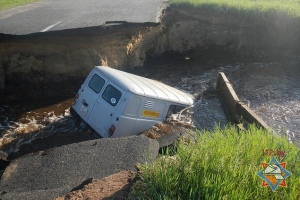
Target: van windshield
96, 83
111, 95
173, 109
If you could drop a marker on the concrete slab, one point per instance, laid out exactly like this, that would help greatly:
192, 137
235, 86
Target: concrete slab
227, 93
51, 173
233, 106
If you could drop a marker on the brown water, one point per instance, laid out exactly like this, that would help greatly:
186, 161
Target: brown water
272, 90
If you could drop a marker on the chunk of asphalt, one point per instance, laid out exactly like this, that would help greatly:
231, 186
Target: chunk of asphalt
169, 139
176, 133
54, 172
169, 142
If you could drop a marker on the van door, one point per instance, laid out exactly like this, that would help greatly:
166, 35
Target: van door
88, 96
105, 109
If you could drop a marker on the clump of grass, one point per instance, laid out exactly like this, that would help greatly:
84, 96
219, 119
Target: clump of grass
5, 4
289, 7
222, 164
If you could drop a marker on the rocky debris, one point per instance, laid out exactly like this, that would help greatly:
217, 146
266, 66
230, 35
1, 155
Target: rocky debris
169, 132
54, 172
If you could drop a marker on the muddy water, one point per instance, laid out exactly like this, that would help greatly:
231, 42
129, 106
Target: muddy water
272, 90
33, 126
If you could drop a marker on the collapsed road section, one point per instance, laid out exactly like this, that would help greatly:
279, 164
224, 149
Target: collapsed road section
51, 173
36, 64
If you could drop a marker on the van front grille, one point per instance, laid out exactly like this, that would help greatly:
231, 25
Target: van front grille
149, 104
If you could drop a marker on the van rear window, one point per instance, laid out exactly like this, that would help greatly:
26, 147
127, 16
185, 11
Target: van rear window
111, 95
96, 83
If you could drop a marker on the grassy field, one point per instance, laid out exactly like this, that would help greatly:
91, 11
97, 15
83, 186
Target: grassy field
5, 4
222, 164
289, 7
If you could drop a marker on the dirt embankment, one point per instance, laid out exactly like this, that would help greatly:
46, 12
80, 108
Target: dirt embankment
55, 63
37, 65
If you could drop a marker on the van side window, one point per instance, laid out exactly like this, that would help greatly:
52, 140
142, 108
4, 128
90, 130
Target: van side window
111, 95
96, 83
133, 106
173, 109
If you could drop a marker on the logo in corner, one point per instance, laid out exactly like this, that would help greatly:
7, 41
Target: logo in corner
274, 174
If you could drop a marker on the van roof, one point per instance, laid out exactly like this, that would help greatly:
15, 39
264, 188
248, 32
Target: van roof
145, 87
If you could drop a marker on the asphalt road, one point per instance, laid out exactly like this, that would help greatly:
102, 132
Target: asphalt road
54, 172
51, 15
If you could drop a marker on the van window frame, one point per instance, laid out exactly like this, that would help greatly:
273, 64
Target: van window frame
102, 82
110, 99
174, 109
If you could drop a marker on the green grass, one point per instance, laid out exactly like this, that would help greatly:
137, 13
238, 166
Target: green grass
5, 4
289, 7
222, 164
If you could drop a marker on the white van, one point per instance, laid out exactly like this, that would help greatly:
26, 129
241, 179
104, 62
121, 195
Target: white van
116, 103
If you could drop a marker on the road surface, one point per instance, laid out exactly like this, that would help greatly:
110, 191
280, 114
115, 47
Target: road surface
54, 172
51, 15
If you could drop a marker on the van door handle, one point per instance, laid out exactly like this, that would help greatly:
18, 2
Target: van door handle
84, 102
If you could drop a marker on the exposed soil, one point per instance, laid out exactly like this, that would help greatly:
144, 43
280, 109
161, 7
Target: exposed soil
116, 186
36, 65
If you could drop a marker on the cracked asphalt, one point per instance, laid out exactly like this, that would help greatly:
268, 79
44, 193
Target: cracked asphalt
54, 172
52, 15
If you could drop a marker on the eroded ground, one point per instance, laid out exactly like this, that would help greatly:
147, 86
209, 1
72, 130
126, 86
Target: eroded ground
116, 186
53, 65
